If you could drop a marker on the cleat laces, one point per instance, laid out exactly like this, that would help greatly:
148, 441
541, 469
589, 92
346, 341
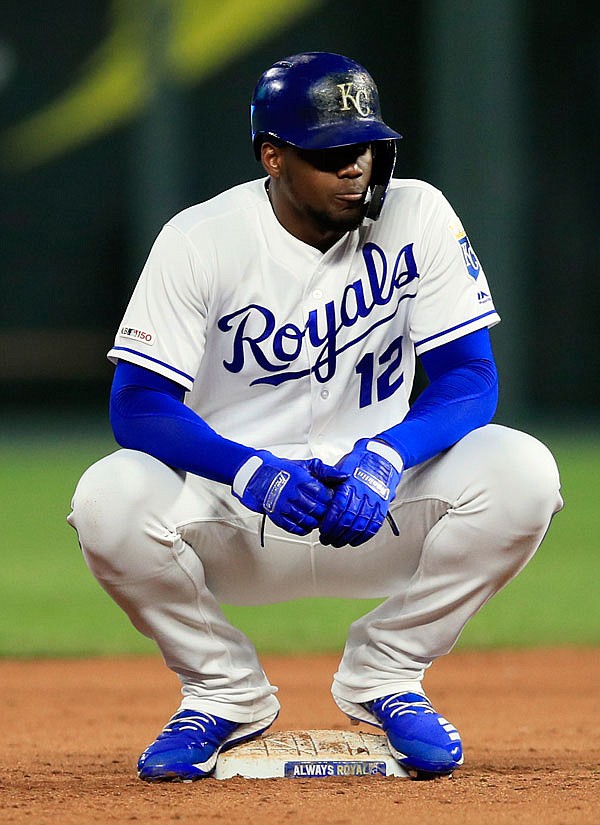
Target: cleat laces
395, 706
193, 727
198, 722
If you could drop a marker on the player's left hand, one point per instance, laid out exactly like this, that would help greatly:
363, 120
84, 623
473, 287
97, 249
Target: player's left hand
360, 503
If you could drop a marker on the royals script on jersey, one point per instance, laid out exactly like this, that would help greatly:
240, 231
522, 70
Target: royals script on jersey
282, 347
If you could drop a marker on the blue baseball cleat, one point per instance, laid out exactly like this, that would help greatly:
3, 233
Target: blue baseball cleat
189, 744
420, 739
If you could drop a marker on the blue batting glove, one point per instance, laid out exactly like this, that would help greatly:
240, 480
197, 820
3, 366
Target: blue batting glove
360, 502
291, 493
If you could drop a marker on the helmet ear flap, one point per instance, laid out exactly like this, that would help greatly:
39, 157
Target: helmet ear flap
384, 160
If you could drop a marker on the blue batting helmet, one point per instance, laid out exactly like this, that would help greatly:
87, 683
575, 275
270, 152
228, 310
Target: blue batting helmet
320, 100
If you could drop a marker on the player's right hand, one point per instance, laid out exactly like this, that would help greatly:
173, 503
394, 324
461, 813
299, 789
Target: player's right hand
291, 493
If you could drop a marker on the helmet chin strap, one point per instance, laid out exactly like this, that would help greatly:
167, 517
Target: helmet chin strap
384, 160
374, 204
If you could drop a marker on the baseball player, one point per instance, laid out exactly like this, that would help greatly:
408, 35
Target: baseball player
264, 368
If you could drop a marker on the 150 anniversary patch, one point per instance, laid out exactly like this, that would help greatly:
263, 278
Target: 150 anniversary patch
138, 335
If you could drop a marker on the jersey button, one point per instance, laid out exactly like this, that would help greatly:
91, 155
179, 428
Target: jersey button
324, 393
317, 293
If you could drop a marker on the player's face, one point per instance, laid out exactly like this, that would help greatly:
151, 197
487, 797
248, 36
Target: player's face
320, 195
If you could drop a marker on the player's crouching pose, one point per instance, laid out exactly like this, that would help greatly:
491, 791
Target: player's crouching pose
264, 368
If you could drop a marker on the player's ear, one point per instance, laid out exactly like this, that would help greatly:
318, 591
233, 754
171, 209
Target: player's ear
271, 157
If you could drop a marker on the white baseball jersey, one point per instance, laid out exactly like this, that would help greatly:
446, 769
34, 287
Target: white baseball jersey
286, 348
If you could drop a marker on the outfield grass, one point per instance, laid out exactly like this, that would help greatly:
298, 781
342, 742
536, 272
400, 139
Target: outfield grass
50, 605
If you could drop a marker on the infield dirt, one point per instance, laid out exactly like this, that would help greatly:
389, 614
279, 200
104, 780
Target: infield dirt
530, 720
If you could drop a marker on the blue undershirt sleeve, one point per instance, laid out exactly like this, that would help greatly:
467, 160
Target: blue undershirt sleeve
462, 395
147, 413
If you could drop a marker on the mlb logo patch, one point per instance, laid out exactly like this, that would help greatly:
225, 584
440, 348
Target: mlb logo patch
470, 258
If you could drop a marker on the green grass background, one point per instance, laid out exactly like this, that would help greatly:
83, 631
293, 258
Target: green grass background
50, 605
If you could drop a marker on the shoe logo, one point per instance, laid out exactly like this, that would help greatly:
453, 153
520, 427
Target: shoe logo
209, 764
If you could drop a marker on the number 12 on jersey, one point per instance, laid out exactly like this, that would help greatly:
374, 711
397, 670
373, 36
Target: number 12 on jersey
379, 376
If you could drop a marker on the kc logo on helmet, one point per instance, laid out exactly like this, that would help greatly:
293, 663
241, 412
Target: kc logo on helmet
358, 99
